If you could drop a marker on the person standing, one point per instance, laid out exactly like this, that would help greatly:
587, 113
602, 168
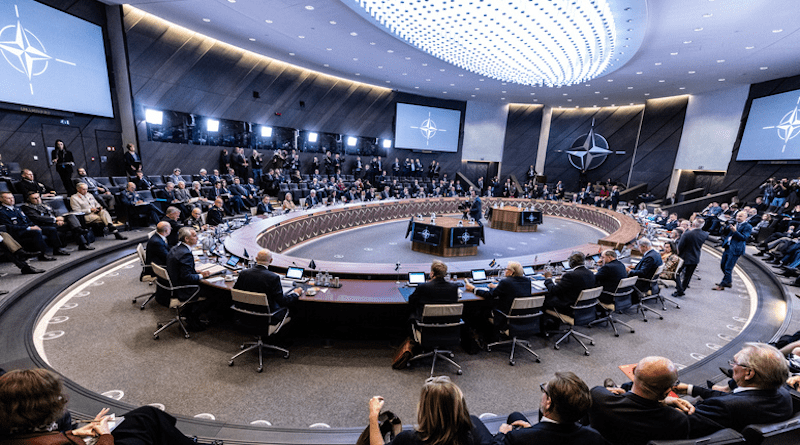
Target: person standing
690, 245
734, 245
133, 163
63, 160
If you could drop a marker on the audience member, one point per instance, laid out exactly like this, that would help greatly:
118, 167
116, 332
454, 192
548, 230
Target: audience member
64, 162
562, 295
690, 246
97, 189
43, 215
21, 229
216, 214
502, 295
646, 268
195, 220
85, 203
29, 185
172, 218
609, 274
10, 250
136, 205
133, 163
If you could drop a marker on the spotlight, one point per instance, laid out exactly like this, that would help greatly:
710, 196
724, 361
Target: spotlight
387, 143
351, 141
212, 125
312, 137
154, 117
266, 132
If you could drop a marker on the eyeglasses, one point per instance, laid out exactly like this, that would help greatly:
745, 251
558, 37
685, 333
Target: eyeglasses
733, 363
543, 387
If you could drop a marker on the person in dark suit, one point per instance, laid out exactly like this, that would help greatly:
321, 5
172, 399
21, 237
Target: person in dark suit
638, 416
133, 163
21, 228
564, 294
436, 291
173, 219
760, 372
216, 214
646, 267
264, 207
565, 400
142, 182
610, 273
136, 205
614, 198
734, 244
43, 215
260, 279
312, 199
157, 249
64, 162
180, 267
502, 294
29, 185
690, 245
475, 211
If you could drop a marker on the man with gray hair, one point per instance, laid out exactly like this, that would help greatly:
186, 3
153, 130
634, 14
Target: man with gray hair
260, 279
502, 294
647, 266
760, 372
735, 239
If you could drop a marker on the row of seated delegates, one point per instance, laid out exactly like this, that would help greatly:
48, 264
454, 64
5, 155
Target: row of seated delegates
775, 193
33, 411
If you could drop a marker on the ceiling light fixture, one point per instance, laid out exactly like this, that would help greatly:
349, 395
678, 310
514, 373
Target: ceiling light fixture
549, 42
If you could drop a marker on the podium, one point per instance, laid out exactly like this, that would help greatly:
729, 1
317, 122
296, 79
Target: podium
444, 237
514, 219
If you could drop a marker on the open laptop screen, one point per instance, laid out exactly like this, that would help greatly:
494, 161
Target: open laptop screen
294, 273
416, 277
479, 274
528, 271
233, 261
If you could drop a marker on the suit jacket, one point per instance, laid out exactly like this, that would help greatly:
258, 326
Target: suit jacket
627, 419
551, 433
264, 208
215, 216
175, 226
435, 291
40, 215
735, 240
157, 251
608, 276
83, 203
646, 268
475, 209
24, 187
564, 293
15, 221
738, 409
506, 291
259, 279
180, 267
690, 245
142, 184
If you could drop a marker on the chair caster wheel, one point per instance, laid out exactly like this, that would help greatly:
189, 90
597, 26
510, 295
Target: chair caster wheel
459, 372
141, 308
586, 353
632, 331
286, 355
259, 369
555, 347
538, 360
160, 325
241, 347
134, 301
511, 362
451, 355
660, 318
155, 337
616, 335
230, 362
645, 320
186, 336
677, 307
488, 349
591, 343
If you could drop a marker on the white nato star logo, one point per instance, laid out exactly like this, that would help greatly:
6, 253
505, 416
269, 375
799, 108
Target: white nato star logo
428, 129
789, 126
531, 218
425, 234
590, 151
465, 237
24, 51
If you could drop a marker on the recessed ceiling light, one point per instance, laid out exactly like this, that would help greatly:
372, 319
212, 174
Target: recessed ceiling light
309, 8
707, 15
686, 42
720, 60
441, 69
673, 54
452, 84
231, 1
661, 81
763, 68
380, 67
390, 51
610, 80
749, 47
372, 43
533, 94
596, 92
536, 100
777, 30
568, 100
721, 80
503, 84
328, 49
460, 75
682, 88
476, 89
427, 80
408, 58
646, 94
630, 88
252, 39
698, 29
480, 80
268, 21
416, 88
502, 98
424, 64
605, 98
638, 72
355, 59
301, 37
291, 54
353, 33
388, 81
504, 92
658, 63
325, 65
405, 74
332, 22
444, 92
565, 94
358, 74
206, 20
472, 95
692, 72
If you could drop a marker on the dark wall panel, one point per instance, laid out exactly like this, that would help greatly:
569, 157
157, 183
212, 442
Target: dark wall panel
747, 176
521, 146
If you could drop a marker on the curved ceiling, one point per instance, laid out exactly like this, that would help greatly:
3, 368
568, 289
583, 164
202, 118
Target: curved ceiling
688, 47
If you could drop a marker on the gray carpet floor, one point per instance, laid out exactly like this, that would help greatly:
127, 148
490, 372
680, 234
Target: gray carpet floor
384, 243
101, 341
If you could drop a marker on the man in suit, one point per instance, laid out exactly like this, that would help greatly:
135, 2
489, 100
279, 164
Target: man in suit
312, 199
21, 229
260, 279
502, 294
638, 416
157, 248
173, 219
690, 245
564, 294
85, 202
180, 267
475, 211
646, 267
760, 372
133, 163
436, 291
610, 273
28, 185
142, 182
15, 255
43, 215
614, 198
216, 214
565, 400
137, 206
98, 190
734, 244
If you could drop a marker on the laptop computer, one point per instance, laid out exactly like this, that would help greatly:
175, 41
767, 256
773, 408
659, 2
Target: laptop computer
416, 278
565, 265
233, 263
295, 274
532, 273
479, 276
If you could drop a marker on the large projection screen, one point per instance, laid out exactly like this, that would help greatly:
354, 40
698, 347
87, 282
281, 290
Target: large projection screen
426, 128
52, 60
773, 125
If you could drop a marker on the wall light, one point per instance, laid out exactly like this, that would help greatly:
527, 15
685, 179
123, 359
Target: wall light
351, 141
266, 132
212, 125
312, 137
387, 143
154, 117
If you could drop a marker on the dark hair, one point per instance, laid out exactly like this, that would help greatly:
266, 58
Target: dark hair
577, 259
672, 247
570, 396
30, 398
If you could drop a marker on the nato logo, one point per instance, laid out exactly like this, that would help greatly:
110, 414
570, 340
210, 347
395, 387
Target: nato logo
589, 151
788, 127
428, 129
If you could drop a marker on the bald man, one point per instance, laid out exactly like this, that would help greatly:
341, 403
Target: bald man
260, 279
638, 416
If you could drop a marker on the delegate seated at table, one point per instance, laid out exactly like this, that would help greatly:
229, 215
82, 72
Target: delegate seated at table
260, 279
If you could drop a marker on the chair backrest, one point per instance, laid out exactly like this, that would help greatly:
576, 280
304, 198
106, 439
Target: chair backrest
140, 253
253, 299
121, 181
625, 285
583, 311
623, 296
523, 318
439, 312
588, 294
59, 204
526, 305
441, 325
778, 433
658, 272
162, 274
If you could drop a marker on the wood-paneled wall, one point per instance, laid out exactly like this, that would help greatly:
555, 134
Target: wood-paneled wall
523, 127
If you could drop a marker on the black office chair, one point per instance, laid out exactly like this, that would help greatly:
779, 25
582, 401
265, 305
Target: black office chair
522, 321
147, 276
253, 307
164, 282
721, 437
439, 328
779, 433
652, 292
622, 301
583, 313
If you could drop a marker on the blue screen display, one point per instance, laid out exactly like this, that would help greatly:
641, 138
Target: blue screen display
427, 128
772, 129
52, 60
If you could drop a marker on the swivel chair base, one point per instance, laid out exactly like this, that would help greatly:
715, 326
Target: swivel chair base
613, 322
577, 336
260, 345
165, 324
514, 341
440, 353
149, 296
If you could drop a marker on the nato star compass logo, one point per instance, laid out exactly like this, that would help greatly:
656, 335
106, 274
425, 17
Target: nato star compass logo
465, 237
425, 234
24, 51
428, 129
532, 218
789, 126
589, 151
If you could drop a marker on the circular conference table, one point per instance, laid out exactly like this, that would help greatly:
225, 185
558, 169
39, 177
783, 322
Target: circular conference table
281, 233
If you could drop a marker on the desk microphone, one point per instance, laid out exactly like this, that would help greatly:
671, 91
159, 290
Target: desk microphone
397, 266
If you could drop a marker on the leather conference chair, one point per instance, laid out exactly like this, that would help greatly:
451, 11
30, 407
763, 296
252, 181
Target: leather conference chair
522, 321
147, 276
721, 437
779, 433
439, 328
254, 314
670, 282
652, 292
622, 301
165, 283
583, 313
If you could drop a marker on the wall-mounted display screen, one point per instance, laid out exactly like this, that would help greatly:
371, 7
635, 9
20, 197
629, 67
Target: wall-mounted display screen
772, 129
52, 60
426, 128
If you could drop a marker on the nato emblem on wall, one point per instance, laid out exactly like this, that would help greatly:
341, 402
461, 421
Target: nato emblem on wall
589, 151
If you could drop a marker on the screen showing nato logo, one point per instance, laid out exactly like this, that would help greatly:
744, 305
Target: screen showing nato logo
52, 60
772, 129
426, 128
